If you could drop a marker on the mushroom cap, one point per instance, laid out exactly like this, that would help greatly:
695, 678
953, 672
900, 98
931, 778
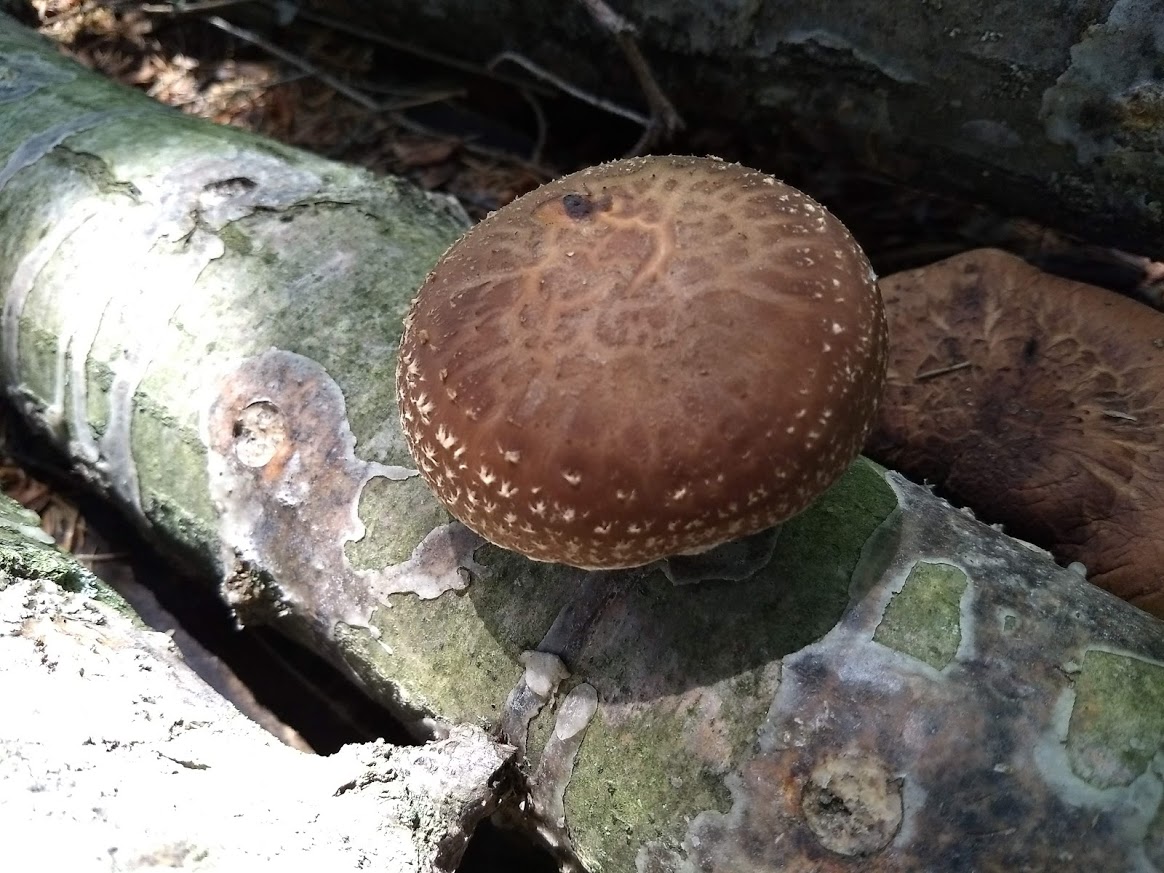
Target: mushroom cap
1037, 401
645, 358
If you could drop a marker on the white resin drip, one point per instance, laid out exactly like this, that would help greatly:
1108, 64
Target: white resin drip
24, 279
143, 316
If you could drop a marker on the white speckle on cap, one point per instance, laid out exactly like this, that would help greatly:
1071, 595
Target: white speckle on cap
424, 406
446, 439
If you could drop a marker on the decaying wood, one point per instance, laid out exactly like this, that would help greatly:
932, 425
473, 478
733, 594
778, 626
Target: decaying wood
114, 755
1053, 110
1047, 416
898, 688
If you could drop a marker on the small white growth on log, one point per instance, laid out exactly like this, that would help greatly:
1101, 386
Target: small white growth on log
543, 672
577, 710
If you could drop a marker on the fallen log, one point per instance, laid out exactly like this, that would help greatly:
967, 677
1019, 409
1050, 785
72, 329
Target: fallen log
1050, 110
897, 687
113, 753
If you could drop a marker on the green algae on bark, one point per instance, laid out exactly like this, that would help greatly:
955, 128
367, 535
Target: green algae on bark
923, 619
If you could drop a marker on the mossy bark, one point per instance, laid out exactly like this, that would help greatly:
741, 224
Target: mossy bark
206, 324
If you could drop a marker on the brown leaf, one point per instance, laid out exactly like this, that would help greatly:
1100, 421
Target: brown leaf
422, 152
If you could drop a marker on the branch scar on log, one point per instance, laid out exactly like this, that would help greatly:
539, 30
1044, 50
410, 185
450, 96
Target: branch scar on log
287, 483
544, 671
557, 762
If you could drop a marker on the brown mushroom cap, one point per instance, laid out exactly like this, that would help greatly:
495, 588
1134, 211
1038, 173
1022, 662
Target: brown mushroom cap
645, 358
1038, 402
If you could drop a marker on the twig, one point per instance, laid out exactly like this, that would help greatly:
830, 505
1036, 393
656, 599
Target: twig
665, 119
468, 145
416, 51
942, 371
543, 127
99, 557
412, 93
420, 100
1121, 416
180, 7
573, 90
304, 65
310, 69
609, 19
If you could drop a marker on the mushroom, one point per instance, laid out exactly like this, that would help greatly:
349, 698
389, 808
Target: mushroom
1038, 402
643, 359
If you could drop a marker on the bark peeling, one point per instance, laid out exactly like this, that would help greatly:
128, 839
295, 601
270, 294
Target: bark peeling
287, 483
1109, 102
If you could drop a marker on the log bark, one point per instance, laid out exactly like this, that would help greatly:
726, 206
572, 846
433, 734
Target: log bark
897, 687
115, 755
1053, 110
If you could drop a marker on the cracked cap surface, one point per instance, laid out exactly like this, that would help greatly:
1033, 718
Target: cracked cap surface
645, 358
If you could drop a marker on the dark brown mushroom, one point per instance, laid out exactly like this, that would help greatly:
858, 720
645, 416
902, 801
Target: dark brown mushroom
1038, 402
645, 358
